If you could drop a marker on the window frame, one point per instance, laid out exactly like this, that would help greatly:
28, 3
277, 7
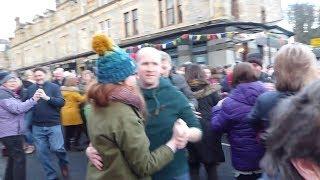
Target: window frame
170, 10
126, 17
135, 19
179, 11
161, 14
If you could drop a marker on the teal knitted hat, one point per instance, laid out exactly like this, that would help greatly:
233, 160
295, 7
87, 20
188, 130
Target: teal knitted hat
114, 64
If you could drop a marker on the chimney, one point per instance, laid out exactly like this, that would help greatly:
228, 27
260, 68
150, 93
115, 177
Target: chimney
57, 3
18, 24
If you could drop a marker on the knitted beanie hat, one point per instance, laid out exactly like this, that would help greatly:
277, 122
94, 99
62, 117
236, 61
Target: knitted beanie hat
5, 76
114, 64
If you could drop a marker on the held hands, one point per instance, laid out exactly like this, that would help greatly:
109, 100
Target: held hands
43, 95
36, 96
180, 135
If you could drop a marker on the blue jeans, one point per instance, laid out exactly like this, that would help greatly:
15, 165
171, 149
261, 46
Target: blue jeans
28, 127
48, 139
185, 176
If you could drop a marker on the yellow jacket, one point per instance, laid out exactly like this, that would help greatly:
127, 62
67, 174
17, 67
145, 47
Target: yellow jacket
70, 112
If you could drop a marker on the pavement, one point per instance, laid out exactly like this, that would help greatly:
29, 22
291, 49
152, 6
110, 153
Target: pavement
78, 165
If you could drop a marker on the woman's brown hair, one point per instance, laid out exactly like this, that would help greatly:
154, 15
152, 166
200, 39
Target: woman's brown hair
100, 94
243, 73
294, 67
194, 71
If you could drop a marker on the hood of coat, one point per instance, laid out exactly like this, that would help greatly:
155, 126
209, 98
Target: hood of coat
70, 88
6, 93
201, 88
247, 93
241, 100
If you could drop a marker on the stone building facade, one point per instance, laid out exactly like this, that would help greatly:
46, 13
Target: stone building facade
4, 63
67, 31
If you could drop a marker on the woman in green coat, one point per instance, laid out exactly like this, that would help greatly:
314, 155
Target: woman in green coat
115, 124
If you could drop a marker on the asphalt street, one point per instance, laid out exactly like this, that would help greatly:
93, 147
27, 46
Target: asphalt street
78, 164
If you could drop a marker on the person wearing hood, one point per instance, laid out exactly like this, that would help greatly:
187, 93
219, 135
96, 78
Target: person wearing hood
70, 112
12, 111
230, 116
209, 150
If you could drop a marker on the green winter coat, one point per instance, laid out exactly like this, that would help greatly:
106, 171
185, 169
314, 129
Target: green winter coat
165, 105
117, 132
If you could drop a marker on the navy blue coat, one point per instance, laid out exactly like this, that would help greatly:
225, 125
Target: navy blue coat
231, 118
259, 116
47, 113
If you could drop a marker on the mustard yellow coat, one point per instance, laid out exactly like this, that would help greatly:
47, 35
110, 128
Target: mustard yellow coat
70, 112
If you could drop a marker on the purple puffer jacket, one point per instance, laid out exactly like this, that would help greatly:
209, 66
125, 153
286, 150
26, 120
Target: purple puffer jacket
230, 118
12, 111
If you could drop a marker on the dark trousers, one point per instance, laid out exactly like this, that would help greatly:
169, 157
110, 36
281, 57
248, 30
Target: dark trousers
72, 135
249, 177
211, 170
16, 165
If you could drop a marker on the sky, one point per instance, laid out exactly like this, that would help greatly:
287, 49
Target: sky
27, 9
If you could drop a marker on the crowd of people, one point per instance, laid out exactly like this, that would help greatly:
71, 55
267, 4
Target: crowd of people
143, 118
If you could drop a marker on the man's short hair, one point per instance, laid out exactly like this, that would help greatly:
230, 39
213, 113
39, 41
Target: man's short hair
28, 73
59, 70
39, 69
150, 51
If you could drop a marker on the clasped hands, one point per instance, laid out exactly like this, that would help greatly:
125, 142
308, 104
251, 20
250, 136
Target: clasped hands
40, 94
180, 135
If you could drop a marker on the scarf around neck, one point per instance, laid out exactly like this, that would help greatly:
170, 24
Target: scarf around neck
127, 96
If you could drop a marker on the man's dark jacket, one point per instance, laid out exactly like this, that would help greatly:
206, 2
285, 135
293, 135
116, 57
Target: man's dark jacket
47, 113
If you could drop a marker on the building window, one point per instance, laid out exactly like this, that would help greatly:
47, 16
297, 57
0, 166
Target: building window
179, 9
160, 13
135, 21
170, 12
105, 26
126, 24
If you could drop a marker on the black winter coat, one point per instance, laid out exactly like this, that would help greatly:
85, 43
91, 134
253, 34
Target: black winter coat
209, 149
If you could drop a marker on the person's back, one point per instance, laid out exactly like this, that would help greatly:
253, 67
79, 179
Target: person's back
107, 134
70, 112
259, 116
246, 150
230, 117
